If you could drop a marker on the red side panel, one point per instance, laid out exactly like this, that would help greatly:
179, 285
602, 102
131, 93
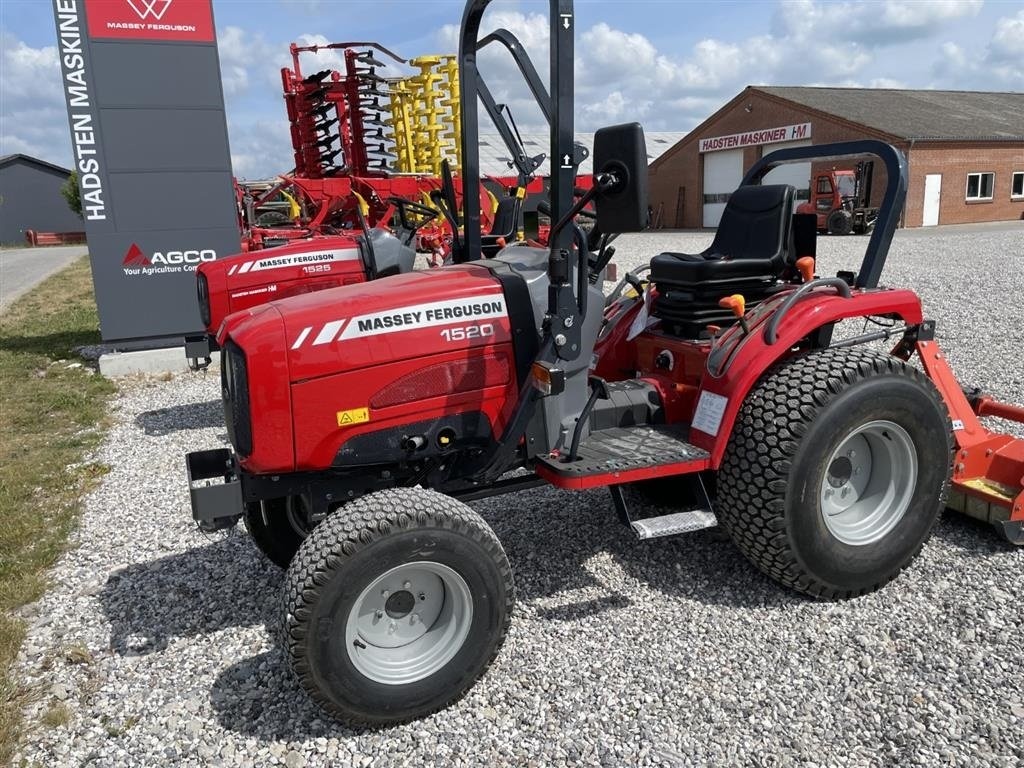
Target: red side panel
366, 357
322, 426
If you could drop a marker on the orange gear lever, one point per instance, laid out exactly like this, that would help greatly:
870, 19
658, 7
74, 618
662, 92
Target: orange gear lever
806, 266
735, 304
738, 306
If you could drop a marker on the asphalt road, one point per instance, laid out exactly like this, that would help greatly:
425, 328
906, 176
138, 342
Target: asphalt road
23, 268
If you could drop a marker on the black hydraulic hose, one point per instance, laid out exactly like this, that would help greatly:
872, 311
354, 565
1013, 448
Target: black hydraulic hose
577, 433
582, 270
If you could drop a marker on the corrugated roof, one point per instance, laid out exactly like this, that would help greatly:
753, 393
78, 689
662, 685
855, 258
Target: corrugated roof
918, 115
34, 160
495, 157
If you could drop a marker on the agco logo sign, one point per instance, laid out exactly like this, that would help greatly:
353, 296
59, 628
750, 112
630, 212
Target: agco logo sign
150, 8
136, 262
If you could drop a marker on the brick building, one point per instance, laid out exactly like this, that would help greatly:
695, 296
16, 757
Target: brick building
965, 150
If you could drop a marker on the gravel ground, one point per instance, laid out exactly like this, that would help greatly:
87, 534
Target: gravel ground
159, 642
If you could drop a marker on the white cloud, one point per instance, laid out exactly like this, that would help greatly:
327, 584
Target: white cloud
620, 75
999, 66
33, 119
260, 147
1008, 40
873, 24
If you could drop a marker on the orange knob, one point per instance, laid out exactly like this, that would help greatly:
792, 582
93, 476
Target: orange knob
735, 304
806, 266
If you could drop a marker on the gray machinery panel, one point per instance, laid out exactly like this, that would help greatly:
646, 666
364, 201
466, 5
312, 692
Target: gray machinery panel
146, 111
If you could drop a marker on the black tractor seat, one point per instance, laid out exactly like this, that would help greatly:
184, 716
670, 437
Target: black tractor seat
753, 248
503, 230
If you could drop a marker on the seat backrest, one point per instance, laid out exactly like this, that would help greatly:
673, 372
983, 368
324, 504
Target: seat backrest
505, 217
756, 224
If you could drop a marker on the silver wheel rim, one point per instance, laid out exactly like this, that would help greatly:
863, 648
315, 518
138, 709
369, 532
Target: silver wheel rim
869, 481
409, 622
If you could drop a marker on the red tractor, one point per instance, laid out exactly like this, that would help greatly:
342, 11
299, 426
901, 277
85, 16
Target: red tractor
841, 199
363, 418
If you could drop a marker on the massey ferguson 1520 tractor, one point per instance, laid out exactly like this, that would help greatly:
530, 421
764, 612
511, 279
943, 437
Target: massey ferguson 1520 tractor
362, 418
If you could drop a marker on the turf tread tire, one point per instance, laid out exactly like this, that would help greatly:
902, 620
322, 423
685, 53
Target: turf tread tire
774, 417
348, 531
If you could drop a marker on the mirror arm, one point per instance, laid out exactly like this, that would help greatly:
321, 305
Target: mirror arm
603, 182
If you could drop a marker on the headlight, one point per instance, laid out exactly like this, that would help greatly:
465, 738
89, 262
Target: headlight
234, 379
203, 289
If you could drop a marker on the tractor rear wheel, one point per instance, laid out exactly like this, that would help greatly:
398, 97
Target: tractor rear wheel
840, 222
277, 527
836, 471
395, 605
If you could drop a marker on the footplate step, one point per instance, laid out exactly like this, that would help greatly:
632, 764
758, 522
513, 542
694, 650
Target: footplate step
678, 522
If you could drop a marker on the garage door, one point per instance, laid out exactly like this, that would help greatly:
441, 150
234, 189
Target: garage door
797, 174
723, 172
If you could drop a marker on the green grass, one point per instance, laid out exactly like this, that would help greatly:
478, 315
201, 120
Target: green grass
52, 413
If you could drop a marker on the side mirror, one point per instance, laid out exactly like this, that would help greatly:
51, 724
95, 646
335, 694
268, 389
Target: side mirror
620, 150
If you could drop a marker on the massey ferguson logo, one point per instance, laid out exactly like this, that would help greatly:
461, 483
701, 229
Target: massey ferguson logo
136, 262
150, 8
149, 19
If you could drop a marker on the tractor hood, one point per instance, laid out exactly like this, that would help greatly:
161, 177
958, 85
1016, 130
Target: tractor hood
246, 270
357, 327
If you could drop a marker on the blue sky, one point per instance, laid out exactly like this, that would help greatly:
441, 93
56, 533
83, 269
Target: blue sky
668, 64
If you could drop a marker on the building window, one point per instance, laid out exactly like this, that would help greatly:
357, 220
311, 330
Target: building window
1017, 185
979, 186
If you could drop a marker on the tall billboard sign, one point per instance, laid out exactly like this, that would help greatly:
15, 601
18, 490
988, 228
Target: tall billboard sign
149, 135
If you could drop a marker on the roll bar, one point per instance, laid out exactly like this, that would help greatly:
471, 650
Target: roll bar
892, 201
560, 116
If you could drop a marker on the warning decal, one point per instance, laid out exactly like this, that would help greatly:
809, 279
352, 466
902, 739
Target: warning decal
353, 416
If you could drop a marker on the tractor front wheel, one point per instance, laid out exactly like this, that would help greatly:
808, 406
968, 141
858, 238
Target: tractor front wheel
836, 470
395, 605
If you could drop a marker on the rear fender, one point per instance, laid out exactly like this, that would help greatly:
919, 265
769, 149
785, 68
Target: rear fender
724, 390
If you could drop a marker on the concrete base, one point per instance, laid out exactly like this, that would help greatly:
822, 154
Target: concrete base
148, 362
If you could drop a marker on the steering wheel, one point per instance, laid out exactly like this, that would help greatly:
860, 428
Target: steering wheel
405, 207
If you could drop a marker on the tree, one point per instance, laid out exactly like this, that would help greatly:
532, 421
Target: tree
69, 190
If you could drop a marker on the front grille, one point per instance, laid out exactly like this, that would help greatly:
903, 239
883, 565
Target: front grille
203, 289
234, 380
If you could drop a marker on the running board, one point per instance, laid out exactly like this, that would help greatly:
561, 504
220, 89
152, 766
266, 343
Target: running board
678, 522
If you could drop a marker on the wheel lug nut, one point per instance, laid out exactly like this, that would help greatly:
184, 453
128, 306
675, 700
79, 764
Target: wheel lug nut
844, 492
423, 596
407, 585
414, 619
852, 454
385, 593
392, 627
378, 614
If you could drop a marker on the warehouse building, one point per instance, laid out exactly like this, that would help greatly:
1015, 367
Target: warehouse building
30, 198
965, 150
